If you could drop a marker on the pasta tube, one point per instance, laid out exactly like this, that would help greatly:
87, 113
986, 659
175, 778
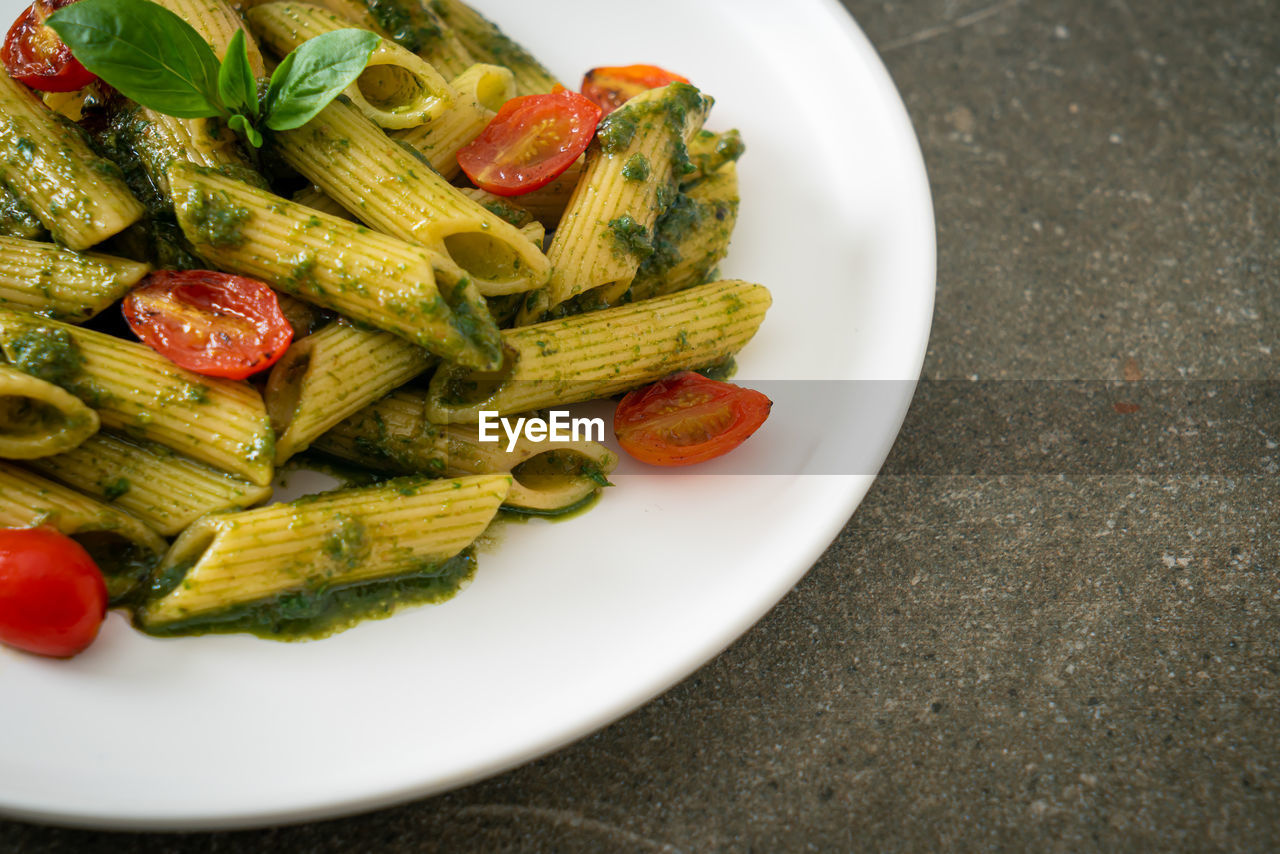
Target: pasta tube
387, 187
136, 390
371, 278
43, 278
38, 418
604, 352
121, 545
487, 43
692, 237
81, 198
414, 24
315, 198
628, 179
397, 88
163, 489
318, 543
331, 374
480, 91
394, 435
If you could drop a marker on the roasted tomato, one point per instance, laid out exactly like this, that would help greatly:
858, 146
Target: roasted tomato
34, 55
686, 418
611, 86
52, 596
212, 323
529, 142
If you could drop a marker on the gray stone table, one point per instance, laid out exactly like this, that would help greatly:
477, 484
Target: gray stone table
1038, 631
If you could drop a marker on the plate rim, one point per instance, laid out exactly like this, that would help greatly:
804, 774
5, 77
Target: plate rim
850, 492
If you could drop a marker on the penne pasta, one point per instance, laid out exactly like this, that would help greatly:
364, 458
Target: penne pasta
38, 419
385, 266
162, 488
371, 278
627, 182
394, 435
480, 91
136, 390
16, 219
47, 279
691, 237
601, 353
227, 562
391, 190
397, 89
486, 42
79, 197
331, 374
121, 545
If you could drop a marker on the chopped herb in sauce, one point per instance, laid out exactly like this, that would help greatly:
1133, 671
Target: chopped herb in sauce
636, 168
630, 237
49, 354
217, 219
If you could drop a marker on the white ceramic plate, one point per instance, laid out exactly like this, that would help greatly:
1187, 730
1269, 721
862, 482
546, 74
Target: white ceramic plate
567, 626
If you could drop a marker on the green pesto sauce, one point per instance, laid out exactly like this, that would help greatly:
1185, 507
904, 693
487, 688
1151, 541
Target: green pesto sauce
120, 141
617, 129
408, 24
630, 237
262, 448
320, 611
709, 158
125, 566
113, 489
46, 353
636, 168
681, 218
218, 220
721, 370
507, 213
348, 544
473, 321
302, 276
16, 219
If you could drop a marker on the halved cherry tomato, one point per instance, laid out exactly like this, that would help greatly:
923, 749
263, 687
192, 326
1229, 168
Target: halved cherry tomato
686, 418
611, 86
34, 55
529, 142
212, 323
52, 596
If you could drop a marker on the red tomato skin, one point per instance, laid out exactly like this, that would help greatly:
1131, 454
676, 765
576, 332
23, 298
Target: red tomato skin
715, 418
498, 160
33, 54
52, 596
212, 323
611, 86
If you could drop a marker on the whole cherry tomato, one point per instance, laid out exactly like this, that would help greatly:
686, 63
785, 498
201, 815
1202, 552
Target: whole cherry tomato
212, 323
52, 596
686, 418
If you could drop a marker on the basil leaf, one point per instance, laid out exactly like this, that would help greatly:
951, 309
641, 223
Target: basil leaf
236, 84
314, 74
239, 123
145, 51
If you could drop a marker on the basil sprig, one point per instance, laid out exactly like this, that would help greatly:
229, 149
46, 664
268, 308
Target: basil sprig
158, 60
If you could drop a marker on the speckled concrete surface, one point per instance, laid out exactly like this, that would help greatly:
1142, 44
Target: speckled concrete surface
1056, 661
